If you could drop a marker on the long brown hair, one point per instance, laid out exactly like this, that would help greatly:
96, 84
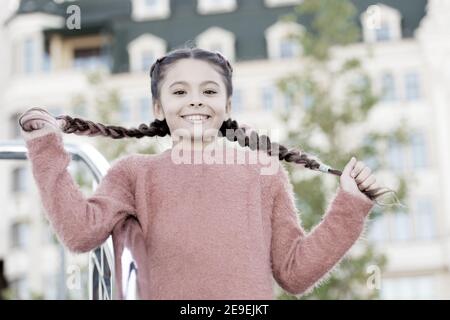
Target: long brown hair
161, 129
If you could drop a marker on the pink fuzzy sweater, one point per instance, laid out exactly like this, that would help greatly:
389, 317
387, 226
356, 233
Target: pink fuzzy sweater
216, 231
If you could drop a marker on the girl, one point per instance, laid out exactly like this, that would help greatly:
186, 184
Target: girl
198, 231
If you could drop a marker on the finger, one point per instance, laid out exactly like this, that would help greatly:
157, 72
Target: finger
367, 182
61, 123
27, 116
39, 111
34, 116
36, 125
357, 169
349, 167
373, 186
363, 175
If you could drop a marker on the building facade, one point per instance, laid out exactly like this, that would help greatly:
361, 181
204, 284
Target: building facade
48, 55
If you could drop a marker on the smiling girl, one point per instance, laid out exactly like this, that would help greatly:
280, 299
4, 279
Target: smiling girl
208, 231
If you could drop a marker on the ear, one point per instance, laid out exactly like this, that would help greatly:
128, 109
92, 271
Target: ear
158, 111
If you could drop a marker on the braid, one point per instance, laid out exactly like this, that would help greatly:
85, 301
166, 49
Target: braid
262, 142
253, 141
89, 128
221, 56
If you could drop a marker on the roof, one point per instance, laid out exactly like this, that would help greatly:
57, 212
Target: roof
247, 23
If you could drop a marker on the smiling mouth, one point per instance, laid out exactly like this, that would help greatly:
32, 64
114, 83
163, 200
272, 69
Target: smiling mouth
196, 118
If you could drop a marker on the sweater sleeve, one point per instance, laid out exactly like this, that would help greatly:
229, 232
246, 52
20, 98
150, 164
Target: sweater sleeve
300, 260
80, 223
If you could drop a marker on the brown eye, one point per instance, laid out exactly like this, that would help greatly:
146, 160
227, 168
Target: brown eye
211, 91
177, 92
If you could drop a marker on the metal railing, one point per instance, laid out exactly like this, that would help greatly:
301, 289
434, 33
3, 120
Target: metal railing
101, 284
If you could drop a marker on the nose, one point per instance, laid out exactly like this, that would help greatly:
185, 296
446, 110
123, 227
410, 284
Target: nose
196, 100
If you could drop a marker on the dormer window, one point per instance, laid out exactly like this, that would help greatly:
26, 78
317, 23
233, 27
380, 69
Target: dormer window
282, 40
218, 39
215, 6
279, 3
144, 50
150, 9
381, 23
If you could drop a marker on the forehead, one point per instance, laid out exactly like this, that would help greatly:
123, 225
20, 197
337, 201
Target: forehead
192, 71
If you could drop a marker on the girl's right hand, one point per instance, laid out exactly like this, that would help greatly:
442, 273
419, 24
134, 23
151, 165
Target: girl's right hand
37, 118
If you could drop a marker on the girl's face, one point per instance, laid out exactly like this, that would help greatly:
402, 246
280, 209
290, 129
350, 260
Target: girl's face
193, 100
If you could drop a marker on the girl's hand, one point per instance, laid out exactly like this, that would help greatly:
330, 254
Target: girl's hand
36, 118
357, 177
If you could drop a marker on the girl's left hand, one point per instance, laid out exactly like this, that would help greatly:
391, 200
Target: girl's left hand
357, 177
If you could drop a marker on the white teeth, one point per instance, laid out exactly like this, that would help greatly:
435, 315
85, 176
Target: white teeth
196, 117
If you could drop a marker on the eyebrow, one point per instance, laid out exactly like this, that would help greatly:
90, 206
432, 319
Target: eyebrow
184, 82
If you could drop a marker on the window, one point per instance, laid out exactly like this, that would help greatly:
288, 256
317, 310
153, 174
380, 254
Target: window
395, 156
29, 49
147, 60
46, 62
388, 87
218, 39
216, 6
402, 226
381, 23
419, 287
145, 109
151, 4
278, 3
287, 100
383, 33
288, 48
412, 86
90, 59
282, 40
150, 9
144, 50
308, 101
20, 235
370, 146
425, 219
418, 150
378, 229
48, 236
46, 59
268, 96
125, 110
236, 101
19, 181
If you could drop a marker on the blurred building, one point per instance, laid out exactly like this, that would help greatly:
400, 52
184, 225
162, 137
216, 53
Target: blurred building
47, 57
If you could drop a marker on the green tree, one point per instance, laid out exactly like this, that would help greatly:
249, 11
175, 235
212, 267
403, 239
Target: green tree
331, 98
